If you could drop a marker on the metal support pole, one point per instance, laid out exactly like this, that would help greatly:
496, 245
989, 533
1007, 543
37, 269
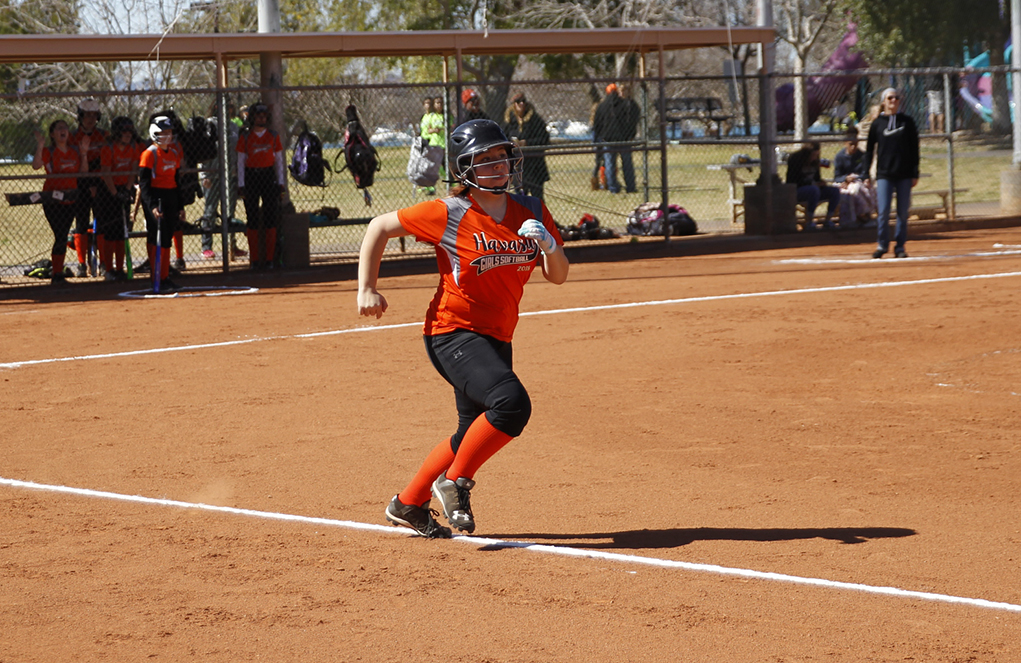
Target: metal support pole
272, 74
645, 125
949, 131
224, 164
663, 170
1015, 63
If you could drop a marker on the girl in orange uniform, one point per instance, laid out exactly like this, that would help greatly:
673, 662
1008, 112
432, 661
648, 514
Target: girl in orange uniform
161, 197
261, 177
487, 244
60, 206
120, 156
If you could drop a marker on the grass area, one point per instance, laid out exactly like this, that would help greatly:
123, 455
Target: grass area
25, 236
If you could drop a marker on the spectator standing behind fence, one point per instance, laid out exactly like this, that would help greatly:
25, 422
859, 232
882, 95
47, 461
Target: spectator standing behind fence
893, 139
160, 192
431, 128
803, 170
212, 189
88, 121
472, 107
60, 158
527, 129
261, 178
471, 320
857, 198
616, 121
120, 156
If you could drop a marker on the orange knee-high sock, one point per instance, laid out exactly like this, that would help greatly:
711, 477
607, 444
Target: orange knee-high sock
480, 442
81, 246
179, 244
271, 243
165, 264
58, 266
254, 254
105, 252
419, 491
118, 254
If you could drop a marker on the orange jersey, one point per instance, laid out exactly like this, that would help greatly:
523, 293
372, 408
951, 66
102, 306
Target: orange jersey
164, 165
97, 139
121, 158
260, 150
59, 162
483, 265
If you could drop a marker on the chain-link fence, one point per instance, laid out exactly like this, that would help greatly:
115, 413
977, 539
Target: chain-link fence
706, 152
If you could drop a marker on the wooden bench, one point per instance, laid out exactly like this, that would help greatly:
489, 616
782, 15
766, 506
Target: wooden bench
921, 212
706, 110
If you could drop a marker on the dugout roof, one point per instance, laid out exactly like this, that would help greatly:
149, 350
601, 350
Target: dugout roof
95, 48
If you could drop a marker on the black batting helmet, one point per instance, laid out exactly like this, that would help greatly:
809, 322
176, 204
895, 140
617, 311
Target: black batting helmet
473, 138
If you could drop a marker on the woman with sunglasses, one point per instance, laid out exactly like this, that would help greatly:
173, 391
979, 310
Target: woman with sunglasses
893, 140
488, 242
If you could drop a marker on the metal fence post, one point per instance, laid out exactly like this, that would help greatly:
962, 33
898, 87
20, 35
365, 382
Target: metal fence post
224, 164
663, 171
948, 128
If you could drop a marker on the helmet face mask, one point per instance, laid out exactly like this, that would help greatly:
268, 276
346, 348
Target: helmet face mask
161, 130
472, 139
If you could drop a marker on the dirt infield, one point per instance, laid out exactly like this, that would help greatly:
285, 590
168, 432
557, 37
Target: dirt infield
848, 425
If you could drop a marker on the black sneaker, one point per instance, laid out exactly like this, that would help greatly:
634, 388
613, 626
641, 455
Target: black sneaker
83, 271
455, 497
900, 253
418, 518
877, 254
168, 287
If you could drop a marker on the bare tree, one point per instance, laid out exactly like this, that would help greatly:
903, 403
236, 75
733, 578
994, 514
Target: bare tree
799, 23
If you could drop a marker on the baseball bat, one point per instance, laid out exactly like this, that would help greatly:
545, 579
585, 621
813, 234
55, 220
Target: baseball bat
94, 250
129, 266
158, 267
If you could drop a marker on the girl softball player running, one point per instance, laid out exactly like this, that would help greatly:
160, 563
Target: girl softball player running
487, 244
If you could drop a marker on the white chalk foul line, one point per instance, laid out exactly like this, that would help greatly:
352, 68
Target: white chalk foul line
531, 547
580, 309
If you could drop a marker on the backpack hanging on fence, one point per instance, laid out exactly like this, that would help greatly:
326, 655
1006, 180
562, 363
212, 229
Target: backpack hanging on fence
649, 219
200, 140
360, 156
307, 164
424, 163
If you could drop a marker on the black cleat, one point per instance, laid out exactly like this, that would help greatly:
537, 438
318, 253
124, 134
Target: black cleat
418, 518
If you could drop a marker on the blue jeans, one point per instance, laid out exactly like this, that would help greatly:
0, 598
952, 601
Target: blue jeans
813, 194
610, 161
884, 197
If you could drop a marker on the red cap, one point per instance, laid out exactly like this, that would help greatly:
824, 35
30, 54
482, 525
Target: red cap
612, 87
468, 94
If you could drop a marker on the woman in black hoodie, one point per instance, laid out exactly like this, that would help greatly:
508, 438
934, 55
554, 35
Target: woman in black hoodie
893, 139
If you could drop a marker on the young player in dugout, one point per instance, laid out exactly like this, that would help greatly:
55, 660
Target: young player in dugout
488, 242
261, 177
88, 187
120, 157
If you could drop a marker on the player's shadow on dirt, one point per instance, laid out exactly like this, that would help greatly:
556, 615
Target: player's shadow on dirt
673, 538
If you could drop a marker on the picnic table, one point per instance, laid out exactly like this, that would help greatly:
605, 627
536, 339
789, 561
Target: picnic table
706, 110
737, 185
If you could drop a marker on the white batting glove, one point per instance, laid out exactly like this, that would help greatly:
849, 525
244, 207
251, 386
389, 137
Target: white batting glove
532, 229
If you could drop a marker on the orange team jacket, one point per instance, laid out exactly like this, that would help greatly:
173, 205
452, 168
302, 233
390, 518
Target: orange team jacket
259, 149
164, 166
120, 158
58, 162
96, 141
483, 265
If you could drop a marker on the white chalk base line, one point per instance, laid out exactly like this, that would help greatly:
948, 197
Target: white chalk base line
532, 547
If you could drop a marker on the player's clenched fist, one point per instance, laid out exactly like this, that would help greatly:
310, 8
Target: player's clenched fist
532, 229
371, 303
